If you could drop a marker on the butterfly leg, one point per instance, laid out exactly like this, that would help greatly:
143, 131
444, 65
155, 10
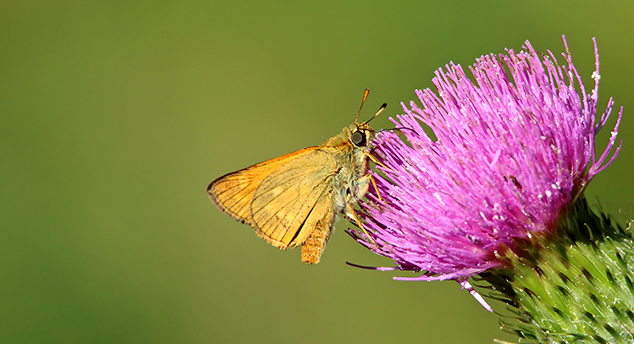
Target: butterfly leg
376, 188
376, 161
362, 188
363, 185
353, 214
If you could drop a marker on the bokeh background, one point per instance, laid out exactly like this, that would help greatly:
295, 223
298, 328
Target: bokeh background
115, 116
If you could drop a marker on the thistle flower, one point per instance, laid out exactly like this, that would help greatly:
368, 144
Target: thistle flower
497, 175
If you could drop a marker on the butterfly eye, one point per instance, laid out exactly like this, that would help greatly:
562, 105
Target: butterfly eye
358, 138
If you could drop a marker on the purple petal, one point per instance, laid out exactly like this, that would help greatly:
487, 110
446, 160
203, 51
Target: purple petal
509, 153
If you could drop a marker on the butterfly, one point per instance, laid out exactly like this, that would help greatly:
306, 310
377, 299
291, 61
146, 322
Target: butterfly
293, 200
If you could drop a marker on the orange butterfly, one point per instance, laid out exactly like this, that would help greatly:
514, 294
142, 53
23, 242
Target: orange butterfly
293, 200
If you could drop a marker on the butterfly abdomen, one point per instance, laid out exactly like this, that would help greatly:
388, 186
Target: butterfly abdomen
314, 246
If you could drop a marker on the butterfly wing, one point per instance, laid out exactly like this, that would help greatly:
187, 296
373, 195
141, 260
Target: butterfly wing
290, 202
233, 192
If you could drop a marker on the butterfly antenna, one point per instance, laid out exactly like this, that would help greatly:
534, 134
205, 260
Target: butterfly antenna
365, 96
376, 114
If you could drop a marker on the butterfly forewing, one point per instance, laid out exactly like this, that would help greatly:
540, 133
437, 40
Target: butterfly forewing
233, 192
290, 202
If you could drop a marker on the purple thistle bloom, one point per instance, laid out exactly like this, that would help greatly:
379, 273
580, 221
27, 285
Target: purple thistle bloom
511, 153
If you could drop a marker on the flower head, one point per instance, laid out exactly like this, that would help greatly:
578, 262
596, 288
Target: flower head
509, 154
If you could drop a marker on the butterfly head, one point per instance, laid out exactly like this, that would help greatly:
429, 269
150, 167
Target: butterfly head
362, 135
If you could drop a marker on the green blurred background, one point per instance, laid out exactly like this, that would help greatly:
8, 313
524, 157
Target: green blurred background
114, 117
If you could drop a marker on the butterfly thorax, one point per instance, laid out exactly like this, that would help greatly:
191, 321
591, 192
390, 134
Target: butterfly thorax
350, 149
